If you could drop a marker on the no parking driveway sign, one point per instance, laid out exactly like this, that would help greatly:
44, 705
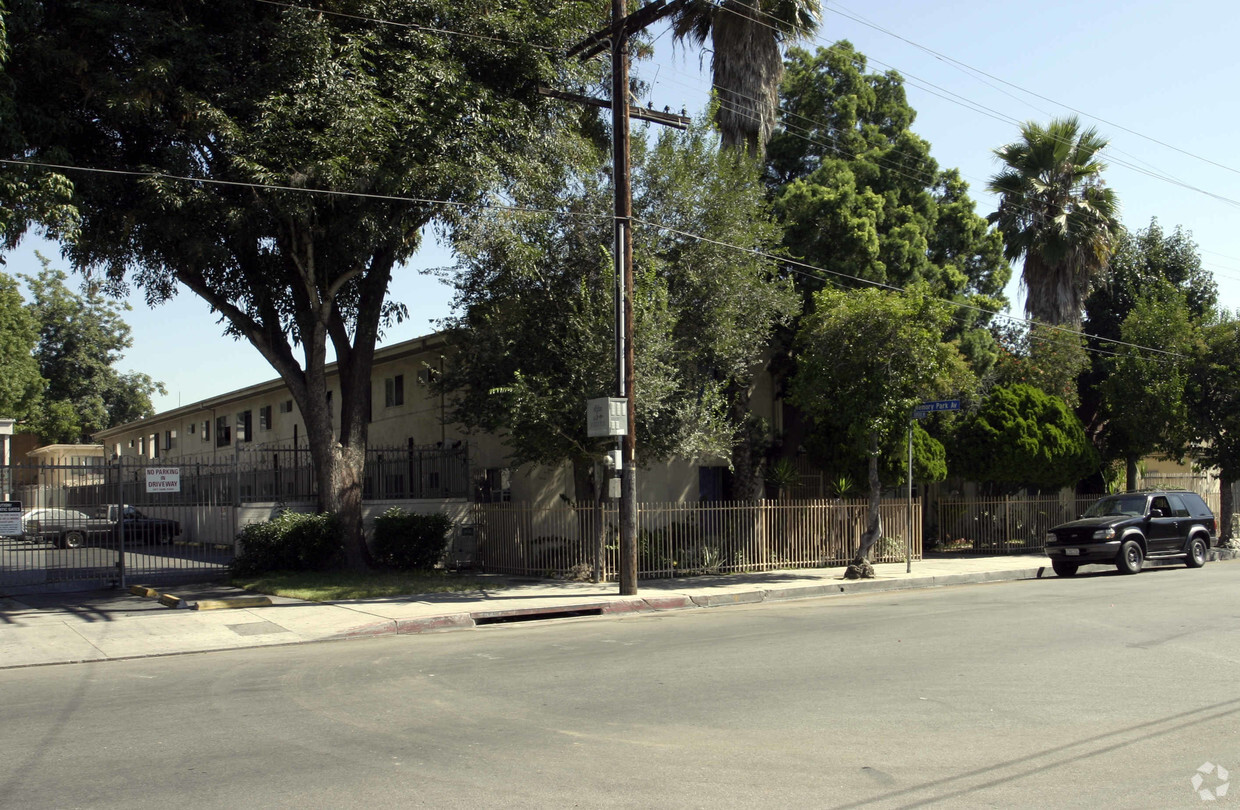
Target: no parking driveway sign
163, 479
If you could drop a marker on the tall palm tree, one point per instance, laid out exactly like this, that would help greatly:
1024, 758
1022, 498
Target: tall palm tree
1056, 213
746, 62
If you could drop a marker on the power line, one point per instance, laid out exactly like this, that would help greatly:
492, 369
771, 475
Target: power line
858, 19
794, 265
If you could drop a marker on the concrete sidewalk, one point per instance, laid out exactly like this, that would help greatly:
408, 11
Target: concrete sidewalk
99, 626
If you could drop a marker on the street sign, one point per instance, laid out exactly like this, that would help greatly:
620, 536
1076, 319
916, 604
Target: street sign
936, 406
163, 479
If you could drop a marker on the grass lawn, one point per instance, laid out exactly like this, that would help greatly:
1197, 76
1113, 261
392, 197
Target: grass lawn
327, 586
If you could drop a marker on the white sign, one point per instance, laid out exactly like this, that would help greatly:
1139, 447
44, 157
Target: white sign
163, 479
607, 416
10, 518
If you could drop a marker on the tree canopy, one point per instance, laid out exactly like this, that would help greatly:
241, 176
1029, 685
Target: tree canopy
865, 358
1148, 262
860, 195
281, 161
535, 290
1056, 215
81, 337
1143, 394
746, 63
1213, 399
1020, 436
20, 381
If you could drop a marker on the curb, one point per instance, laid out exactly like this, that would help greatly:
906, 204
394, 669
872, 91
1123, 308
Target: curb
622, 606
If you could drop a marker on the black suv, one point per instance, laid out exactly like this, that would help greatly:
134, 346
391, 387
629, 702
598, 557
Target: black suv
1133, 527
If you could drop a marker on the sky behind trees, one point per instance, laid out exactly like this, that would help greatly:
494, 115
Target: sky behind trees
1131, 69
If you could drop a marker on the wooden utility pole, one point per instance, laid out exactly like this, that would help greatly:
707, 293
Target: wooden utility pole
617, 35
624, 296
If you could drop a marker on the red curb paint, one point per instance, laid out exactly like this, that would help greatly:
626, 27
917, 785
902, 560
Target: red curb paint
433, 624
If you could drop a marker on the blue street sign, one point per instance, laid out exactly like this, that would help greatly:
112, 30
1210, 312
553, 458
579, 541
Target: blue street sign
933, 407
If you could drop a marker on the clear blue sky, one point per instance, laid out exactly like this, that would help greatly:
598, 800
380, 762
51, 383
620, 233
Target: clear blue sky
1133, 69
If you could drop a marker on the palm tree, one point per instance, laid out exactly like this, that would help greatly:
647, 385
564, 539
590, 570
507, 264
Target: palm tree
1056, 213
746, 63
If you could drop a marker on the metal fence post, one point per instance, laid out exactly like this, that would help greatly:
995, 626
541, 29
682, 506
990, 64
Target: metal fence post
120, 519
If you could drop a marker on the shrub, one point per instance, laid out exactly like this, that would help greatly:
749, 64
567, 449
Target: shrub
290, 542
410, 541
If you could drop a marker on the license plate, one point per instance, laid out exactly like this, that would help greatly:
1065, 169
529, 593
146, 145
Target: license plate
1072, 552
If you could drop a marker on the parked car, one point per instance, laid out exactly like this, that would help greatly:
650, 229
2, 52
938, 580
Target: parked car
1133, 527
72, 528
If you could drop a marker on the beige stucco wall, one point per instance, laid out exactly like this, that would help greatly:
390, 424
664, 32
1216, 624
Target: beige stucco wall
419, 420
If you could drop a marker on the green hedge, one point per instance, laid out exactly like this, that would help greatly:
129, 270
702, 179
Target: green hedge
408, 542
290, 542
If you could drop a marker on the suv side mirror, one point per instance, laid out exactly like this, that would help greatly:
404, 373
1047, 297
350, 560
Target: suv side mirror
1155, 513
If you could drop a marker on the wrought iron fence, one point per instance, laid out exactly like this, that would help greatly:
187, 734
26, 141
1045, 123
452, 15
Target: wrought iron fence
71, 530
1011, 525
687, 538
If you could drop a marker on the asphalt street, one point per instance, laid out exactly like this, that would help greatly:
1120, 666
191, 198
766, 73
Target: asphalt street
1097, 691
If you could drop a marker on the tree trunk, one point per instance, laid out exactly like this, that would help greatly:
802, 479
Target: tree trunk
860, 567
1130, 473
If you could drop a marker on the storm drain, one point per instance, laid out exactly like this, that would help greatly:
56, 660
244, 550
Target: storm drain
537, 616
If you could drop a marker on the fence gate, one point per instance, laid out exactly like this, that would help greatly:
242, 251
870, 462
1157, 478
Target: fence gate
122, 522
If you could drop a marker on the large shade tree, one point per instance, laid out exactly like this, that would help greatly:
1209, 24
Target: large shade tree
1143, 393
20, 381
746, 62
535, 291
82, 336
29, 195
1143, 261
865, 359
1055, 214
1213, 400
282, 161
861, 196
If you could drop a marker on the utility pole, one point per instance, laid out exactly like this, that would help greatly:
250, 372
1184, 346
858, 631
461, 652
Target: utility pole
624, 298
622, 25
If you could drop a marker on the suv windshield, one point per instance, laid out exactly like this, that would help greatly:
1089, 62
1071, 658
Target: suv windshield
1131, 505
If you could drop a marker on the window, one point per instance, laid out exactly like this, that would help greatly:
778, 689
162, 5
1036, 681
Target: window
286, 406
170, 439
141, 445
495, 486
223, 434
131, 444
394, 391
244, 426
206, 430
264, 418
154, 445
1178, 509
427, 375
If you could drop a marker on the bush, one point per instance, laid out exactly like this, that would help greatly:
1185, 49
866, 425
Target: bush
290, 542
410, 542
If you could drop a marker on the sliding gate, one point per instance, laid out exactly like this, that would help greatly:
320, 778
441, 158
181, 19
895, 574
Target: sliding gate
120, 523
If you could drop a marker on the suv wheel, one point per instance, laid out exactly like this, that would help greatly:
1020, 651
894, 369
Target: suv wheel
1130, 557
1196, 553
1064, 569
